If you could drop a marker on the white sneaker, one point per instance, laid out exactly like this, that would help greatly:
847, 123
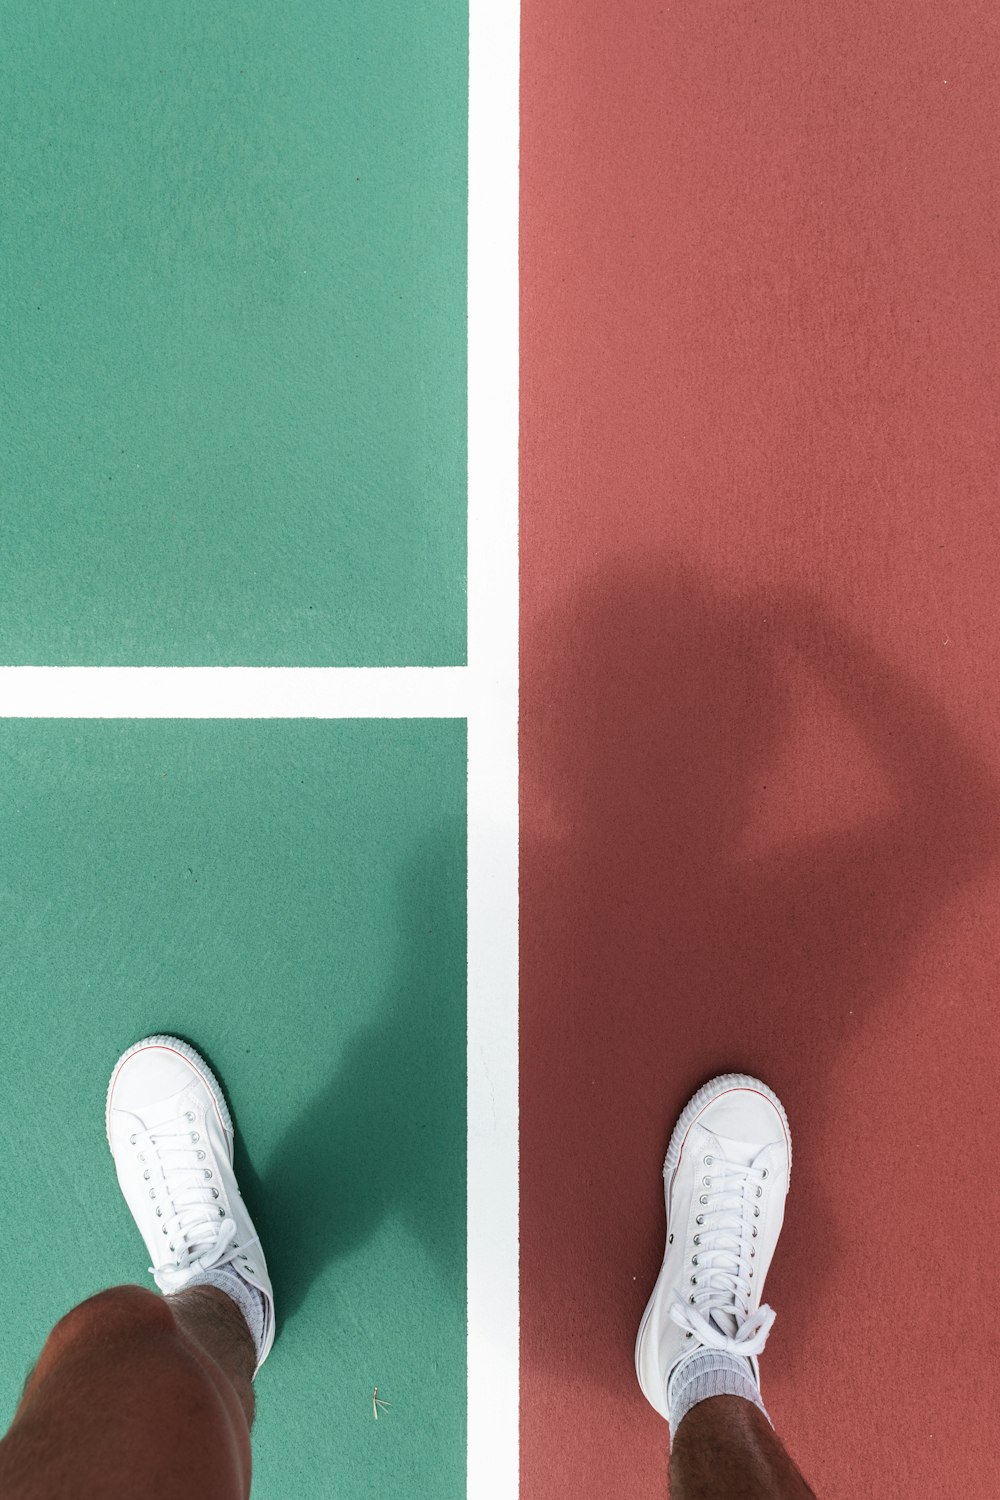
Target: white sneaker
725, 1178
171, 1136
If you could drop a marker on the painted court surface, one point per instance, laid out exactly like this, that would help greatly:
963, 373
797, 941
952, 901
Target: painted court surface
289, 896
233, 297
759, 743
760, 755
233, 391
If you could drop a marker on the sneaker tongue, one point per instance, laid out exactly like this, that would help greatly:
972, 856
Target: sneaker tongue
161, 1111
740, 1152
725, 1322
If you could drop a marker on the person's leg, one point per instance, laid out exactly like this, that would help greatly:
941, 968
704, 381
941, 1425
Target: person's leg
725, 1449
136, 1394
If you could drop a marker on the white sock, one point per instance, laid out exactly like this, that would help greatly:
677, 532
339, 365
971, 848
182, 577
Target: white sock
248, 1299
709, 1372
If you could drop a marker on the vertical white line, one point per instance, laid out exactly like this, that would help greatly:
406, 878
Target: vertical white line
493, 767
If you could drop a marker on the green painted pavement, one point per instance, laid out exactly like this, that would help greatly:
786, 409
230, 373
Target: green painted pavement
289, 895
232, 373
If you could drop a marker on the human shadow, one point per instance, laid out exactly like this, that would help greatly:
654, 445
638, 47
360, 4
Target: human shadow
385, 1136
661, 947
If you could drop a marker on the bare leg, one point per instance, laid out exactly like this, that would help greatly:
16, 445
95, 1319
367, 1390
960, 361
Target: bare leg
725, 1449
136, 1394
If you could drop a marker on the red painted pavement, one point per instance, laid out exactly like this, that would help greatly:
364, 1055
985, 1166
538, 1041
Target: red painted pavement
760, 739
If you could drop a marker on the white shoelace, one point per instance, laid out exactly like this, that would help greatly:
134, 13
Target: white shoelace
717, 1310
198, 1233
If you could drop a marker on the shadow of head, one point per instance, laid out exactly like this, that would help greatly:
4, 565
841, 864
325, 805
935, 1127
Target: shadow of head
655, 952
652, 701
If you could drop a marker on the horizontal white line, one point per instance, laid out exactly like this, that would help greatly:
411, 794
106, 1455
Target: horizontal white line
234, 692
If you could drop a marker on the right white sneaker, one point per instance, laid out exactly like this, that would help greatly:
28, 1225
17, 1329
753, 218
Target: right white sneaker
171, 1136
726, 1177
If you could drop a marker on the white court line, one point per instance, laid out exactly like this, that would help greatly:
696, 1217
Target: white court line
234, 692
493, 764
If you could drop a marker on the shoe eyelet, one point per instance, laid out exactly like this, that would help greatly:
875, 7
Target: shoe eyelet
759, 1191
140, 1156
700, 1219
189, 1114
751, 1273
754, 1231
706, 1182
694, 1281
249, 1268
691, 1298
152, 1192
753, 1252
171, 1244
164, 1229
207, 1173
159, 1213
132, 1139
708, 1161
670, 1239
765, 1171
703, 1199
215, 1192
689, 1335
697, 1239
221, 1213
201, 1156
195, 1136
756, 1213
694, 1262
146, 1175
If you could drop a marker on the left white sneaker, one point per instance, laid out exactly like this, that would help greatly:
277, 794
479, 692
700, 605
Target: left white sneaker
171, 1136
725, 1182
